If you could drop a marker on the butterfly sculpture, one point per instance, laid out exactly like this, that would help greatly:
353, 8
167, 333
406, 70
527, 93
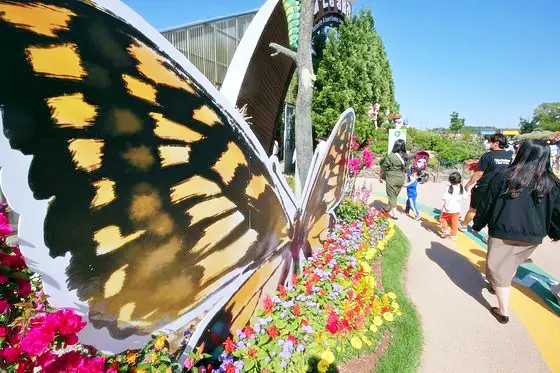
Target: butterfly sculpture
145, 200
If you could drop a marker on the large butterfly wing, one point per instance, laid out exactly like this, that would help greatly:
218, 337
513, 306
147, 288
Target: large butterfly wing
326, 183
147, 194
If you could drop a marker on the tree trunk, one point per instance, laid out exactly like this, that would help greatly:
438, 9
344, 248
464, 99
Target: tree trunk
304, 133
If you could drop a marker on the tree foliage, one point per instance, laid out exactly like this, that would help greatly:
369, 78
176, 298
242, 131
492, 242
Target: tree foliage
547, 116
527, 125
448, 150
456, 123
353, 72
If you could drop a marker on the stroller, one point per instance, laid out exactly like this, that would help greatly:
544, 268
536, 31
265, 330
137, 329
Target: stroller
419, 166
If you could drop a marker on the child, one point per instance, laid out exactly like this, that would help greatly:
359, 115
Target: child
451, 206
411, 193
416, 173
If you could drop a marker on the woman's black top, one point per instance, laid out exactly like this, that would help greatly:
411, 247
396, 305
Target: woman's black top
521, 218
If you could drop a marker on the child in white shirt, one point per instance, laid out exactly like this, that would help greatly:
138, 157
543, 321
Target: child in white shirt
451, 209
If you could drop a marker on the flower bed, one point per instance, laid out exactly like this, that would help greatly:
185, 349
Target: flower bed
329, 313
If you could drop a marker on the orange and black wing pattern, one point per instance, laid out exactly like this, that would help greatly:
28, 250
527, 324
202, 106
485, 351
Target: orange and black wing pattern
155, 190
325, 186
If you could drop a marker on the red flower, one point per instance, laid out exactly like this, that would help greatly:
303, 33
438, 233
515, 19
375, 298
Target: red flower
292, 339
11, 354
230, 368
12, 261
308, 288
229, 346
71, 339
315, 278
282, 291
3, 279
268, 305
332, 323
273, 332
328, 258
252, 352
297, 311
248, 331
385, 309
3, 332
24, 287
304, 322
294, 279
322, 292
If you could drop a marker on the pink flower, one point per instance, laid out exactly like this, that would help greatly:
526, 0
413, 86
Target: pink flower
45, 360
67, 322
37, 340
189, 363
4, 305
11, 354
367, 158
3, 332
3, 279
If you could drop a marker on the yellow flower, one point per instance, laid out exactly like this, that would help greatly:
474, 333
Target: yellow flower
370, 254
388, 316
395, 305
323, 366
328, 356
320, 338
366, 340
398, 312
381, 246
160, 342
373, 328
377, 321
131, 358
366, 267
356, 343
150, 358
392, 295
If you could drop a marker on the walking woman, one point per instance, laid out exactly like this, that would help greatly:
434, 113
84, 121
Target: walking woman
521, 207
393, 167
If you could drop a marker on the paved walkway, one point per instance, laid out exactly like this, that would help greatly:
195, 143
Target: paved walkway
444, 282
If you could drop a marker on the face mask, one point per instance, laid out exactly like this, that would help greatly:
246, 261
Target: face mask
487, 145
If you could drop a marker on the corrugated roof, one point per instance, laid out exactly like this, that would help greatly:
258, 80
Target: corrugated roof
197, 23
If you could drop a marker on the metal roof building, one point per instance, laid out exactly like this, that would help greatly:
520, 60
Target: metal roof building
210, 44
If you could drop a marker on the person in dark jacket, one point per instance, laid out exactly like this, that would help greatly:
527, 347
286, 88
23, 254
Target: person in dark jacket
521, 208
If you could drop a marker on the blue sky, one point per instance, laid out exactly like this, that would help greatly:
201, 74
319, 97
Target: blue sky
491, 60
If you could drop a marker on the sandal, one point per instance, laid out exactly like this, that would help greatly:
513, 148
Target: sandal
501, 318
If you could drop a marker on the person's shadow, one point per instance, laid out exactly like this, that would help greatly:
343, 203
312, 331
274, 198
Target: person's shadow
461, 272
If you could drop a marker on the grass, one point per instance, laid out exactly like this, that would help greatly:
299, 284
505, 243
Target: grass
403, 354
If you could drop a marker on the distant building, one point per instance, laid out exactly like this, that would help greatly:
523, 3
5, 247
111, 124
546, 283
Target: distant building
510, 132
211, 44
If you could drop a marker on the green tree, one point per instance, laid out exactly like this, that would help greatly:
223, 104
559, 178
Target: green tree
456, 123
547, 116
527, 125
353, 72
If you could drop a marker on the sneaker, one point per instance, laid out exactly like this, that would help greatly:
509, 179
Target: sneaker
485, 239
417, 217
462, 229
445, 234
453, 238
